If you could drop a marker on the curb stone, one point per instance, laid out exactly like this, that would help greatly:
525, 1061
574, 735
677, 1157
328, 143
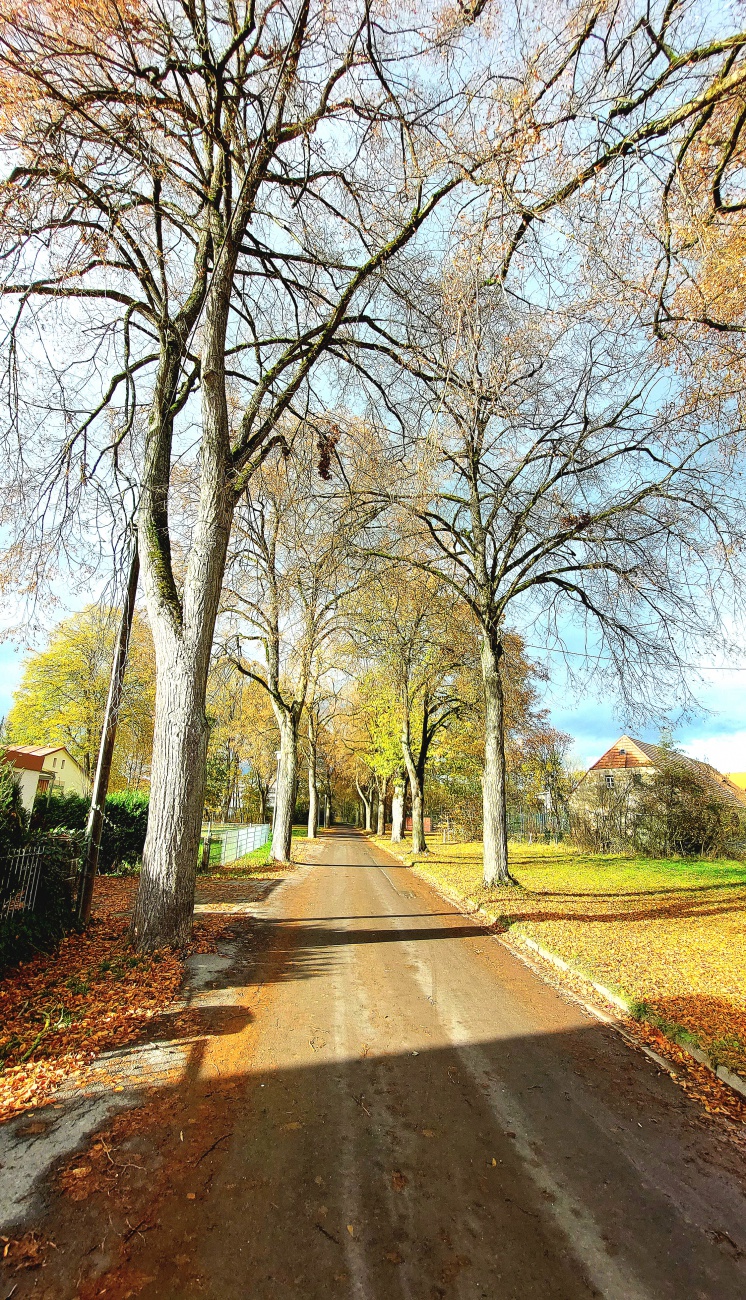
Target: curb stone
729, 1077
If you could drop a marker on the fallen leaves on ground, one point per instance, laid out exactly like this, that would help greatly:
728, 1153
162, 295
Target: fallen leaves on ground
28, 1251
697, 1080
666, 935
60, 1010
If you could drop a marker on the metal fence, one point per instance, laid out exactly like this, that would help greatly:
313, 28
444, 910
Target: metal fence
20, 874
529, 826
524, 824
238, 840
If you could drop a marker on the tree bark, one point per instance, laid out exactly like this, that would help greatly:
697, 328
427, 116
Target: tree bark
282, 834
182, 626
313, 789
366, 802
397, 810
262, 791
381, 818
415, 786
165, 898
494, 810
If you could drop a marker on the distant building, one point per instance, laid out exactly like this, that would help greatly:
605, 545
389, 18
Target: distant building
631, 762
43, 767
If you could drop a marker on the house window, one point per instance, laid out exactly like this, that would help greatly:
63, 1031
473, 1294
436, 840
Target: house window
62, 764
637, 778
609, 779
54, 762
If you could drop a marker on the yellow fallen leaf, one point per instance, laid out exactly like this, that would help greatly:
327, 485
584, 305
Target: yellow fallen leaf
351, 1229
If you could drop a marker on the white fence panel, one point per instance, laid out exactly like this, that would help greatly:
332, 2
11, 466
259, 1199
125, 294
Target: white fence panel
238, 840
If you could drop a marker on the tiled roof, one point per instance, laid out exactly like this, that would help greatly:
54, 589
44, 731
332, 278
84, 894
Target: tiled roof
42, 750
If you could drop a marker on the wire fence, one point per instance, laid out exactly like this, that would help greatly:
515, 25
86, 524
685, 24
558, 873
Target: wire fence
522, 825
239, 840
225, 843
530, 826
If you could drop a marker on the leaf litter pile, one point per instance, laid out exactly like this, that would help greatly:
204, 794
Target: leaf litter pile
92, 994
669, 936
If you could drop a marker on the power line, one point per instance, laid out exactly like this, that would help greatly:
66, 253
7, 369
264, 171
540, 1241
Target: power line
580, 654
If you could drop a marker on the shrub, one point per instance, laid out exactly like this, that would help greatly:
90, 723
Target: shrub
56, 809
125, 824
680, 811
676, 810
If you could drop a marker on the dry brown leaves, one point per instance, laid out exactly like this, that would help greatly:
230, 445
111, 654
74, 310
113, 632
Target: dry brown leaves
94, 993
28, 1251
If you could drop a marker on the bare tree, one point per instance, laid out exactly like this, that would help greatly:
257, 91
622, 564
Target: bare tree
287, 576
561, 482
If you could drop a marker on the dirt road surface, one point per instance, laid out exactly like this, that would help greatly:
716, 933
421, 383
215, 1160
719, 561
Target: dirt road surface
394, 1107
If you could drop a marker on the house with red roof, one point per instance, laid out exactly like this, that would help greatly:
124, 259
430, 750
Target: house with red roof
42, 768
631, 762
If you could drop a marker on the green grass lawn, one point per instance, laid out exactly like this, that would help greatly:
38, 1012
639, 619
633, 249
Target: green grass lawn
667, 935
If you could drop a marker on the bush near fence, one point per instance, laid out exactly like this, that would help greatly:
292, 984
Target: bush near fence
125, 824
38, 887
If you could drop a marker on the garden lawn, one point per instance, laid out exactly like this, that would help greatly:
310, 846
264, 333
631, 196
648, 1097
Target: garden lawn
668, 936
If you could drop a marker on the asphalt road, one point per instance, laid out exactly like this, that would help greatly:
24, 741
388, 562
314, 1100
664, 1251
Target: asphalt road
372, 1099
422, 1116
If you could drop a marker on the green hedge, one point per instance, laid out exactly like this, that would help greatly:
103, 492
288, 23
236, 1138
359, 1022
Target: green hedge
13, 816
125, 824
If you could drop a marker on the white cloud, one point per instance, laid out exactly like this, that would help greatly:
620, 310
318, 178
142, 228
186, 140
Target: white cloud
726, 753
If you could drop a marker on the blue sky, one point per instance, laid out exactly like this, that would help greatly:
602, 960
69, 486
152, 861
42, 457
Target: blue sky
718, 736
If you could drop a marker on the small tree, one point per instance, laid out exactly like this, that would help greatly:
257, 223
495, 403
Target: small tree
13, 816
287, 577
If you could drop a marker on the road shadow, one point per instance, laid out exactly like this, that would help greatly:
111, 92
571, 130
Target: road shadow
548, 1165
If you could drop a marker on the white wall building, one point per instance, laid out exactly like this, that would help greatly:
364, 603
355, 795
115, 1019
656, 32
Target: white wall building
43, 767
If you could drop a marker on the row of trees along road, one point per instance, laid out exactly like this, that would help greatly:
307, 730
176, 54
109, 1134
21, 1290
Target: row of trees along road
217, 219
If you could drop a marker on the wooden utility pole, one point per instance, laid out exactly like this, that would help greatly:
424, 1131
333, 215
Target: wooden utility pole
106, 747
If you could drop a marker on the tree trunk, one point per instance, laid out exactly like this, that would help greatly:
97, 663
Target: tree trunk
495, 821
282, 834
327, 810
415, 786
366, 802
381, 818
397, 810
165, 898
262, 791
313, 789
182, 627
